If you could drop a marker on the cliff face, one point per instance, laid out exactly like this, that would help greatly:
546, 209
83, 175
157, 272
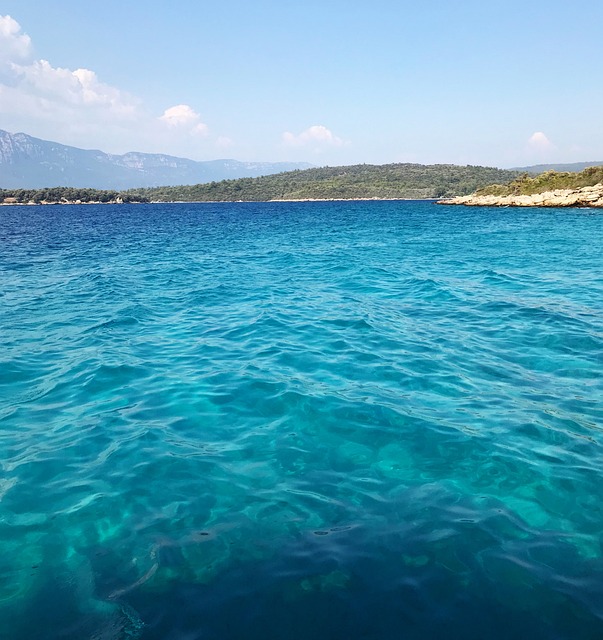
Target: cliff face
583, 197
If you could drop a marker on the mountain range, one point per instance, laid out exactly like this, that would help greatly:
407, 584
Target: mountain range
31, 163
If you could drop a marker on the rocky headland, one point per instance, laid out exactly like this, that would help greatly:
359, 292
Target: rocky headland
591, 196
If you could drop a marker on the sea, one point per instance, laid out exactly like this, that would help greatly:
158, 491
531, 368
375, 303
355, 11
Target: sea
293, 420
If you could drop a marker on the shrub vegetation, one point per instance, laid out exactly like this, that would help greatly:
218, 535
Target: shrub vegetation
340, 183
526, 184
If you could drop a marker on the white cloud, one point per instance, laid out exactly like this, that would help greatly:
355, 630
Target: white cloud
223, 142
14, 45
34, 80
40, 80
184, 117
540, 142
316, 135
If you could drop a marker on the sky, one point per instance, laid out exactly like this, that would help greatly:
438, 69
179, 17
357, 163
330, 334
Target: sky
330, 82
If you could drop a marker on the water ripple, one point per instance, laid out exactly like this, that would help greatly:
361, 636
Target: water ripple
279, 420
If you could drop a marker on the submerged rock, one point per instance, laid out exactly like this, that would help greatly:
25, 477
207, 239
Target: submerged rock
326, 582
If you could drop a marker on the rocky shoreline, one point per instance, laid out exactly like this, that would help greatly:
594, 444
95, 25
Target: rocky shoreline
12, 202
583, 197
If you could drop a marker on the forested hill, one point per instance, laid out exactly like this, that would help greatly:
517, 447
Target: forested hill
341, 183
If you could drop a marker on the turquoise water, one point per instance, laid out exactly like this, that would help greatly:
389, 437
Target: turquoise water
301, 420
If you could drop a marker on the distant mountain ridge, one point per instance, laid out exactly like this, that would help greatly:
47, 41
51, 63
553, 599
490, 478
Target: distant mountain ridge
572, 167
31, 163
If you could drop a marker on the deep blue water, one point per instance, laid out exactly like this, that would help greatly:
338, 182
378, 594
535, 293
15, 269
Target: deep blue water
301, 420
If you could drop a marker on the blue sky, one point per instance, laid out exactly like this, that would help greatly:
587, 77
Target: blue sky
332, 82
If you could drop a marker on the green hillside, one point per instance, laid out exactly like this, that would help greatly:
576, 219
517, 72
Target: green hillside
549, 181
345, 183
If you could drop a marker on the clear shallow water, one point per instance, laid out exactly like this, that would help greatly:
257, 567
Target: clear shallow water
328, 420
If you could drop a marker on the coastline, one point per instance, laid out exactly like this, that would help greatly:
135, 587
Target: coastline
582, 197
51, 203
119, 201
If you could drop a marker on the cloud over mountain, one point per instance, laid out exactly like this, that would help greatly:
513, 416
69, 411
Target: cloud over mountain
539, 141
81, 108
317, 136
183, 116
